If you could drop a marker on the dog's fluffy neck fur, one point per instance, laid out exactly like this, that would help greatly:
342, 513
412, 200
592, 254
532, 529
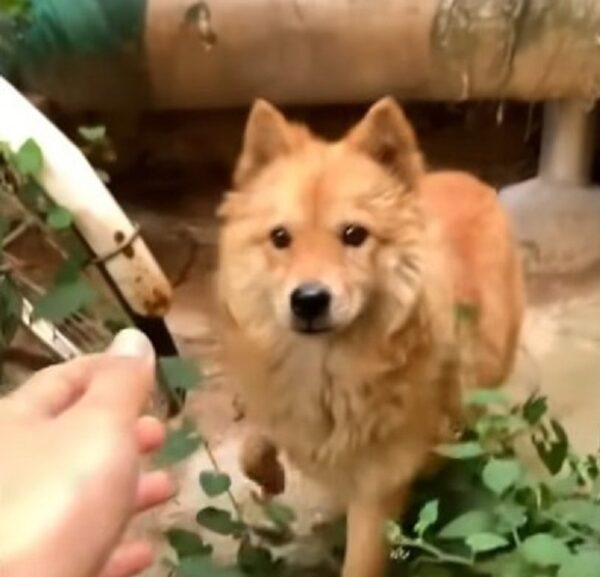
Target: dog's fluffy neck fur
307, 378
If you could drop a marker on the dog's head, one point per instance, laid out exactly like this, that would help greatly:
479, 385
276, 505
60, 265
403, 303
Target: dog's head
315, 234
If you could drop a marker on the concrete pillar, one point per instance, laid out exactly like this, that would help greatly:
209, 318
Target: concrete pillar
556, 215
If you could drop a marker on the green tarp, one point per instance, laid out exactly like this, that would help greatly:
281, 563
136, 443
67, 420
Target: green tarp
70, 27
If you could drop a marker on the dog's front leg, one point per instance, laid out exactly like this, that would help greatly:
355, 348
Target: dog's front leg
259, 462
367, 551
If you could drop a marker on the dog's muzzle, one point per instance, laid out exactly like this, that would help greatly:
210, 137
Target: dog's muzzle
310, 305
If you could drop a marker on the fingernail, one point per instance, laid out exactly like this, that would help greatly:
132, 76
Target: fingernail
131, 343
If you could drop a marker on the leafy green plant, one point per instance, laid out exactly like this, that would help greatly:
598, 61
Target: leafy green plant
26, 208
15, 16
491, 516
68, 289
193, 554
487, 514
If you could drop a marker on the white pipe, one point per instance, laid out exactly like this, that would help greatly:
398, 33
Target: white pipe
72, 183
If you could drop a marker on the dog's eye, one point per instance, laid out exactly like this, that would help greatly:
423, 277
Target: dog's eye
280, 237
354, 235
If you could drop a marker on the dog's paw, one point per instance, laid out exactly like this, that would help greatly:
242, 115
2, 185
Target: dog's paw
260, 463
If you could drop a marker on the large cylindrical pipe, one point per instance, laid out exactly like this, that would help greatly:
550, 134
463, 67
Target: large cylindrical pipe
209, 53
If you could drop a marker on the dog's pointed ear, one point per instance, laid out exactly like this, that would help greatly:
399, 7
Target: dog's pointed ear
267, 137
387, 137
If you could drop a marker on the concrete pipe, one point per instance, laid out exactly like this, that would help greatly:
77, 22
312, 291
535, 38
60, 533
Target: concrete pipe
209, 53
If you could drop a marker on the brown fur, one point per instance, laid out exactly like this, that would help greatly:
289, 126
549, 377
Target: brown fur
360, 407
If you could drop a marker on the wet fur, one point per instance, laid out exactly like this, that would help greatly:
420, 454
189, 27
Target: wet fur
360, 408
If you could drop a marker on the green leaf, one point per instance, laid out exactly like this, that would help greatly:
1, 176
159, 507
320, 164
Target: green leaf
510, 517
64, 300
582, 564
93, 134
214, 483
505, 565
59, 218
553, 452
428, 516
179, 444
179, 373
279, 514
580, 512
34, 196
68, 272
204, 566
467, 524
544, 550
256, 560
29, 159
103, 175
499, 475
218, 521
15, 7
483, 542
187, 543
534, 409
485, 398
565, 486
393, 533
467, 450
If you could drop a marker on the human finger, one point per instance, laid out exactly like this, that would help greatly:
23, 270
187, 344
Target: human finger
129, 559
150, 433
51, 391
123, 383
153, 489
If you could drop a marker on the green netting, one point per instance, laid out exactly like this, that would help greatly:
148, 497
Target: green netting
72, 27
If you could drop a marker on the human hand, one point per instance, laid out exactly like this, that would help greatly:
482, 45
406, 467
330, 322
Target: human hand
71, 446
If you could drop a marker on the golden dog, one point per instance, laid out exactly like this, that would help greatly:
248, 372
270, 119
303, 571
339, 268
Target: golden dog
340, 270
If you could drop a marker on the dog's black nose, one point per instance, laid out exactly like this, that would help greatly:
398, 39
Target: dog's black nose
310, 301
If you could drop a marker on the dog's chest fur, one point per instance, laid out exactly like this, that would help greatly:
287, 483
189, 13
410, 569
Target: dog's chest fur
348, 412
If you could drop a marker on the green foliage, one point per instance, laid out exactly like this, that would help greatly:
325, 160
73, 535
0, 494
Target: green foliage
30, 209
187, 544
484, 542
15, 7
179, 373
544, 550
467, 524
499, 475
180, 443
256, 559
582, 564
427, 517
279, 514
466, 450
203, 566
490, 517
59, 218
214, 483
64, 300
29, 160
218, 521
93, 134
